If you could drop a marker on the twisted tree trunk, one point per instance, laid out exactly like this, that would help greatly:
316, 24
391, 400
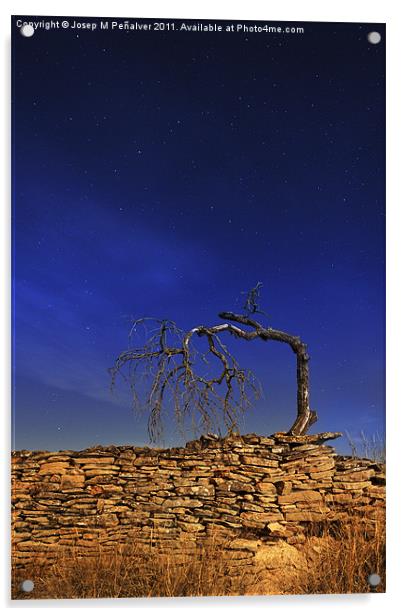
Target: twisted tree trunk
305, 416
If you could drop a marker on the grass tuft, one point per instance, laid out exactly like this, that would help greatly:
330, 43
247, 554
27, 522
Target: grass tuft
339, 560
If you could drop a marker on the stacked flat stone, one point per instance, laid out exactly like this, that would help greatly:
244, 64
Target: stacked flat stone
249, 490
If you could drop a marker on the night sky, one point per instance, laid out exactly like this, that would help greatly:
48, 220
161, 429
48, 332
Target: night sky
164, 174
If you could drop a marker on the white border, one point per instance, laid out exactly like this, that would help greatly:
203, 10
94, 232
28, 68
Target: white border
286, 10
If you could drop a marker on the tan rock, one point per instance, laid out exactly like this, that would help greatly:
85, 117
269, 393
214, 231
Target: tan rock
106, 519
279, 530
93, 460
283, 487
352, 485
342, 498
234, 558
317, 465
99, 471
266, 487
268, 500
251, 517
261, 462
377, 491
197, 490
230, 458
17, 537
32, 546
238, 486
166, 463
250, 545
190, 527
321, 475
357, 476
53, 468
306, 439
300, 496
266, 440
72, 482
252, 506
305, 516
182, 502
163, 523
242, 477
135, 516
150, 461
94, 489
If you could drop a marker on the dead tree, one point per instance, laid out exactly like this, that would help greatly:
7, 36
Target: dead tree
169, 363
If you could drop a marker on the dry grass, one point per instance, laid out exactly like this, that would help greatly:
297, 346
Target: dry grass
135, 572
371, 447
339, 560
342, 559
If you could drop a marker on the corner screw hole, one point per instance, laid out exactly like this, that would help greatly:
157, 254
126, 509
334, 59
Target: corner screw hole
27, 585
27, 30
374, 38
374, 580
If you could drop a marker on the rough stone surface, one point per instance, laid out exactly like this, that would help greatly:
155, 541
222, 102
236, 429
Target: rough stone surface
260, 494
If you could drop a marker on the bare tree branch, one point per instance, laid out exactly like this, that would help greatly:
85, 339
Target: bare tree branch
251, 305
305, 416
169, 366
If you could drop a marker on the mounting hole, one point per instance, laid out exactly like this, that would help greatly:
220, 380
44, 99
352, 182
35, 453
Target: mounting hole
27, 585
27, 30
374, 579
374, 38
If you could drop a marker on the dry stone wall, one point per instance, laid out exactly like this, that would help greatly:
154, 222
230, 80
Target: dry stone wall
250, 490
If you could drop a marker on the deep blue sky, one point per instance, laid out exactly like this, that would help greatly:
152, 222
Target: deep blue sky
164, 174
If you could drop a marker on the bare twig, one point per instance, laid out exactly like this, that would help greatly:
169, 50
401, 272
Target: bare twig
206, 385
172, 364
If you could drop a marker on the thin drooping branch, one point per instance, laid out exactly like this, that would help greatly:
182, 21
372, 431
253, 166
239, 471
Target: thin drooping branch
171, 365
171, 362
